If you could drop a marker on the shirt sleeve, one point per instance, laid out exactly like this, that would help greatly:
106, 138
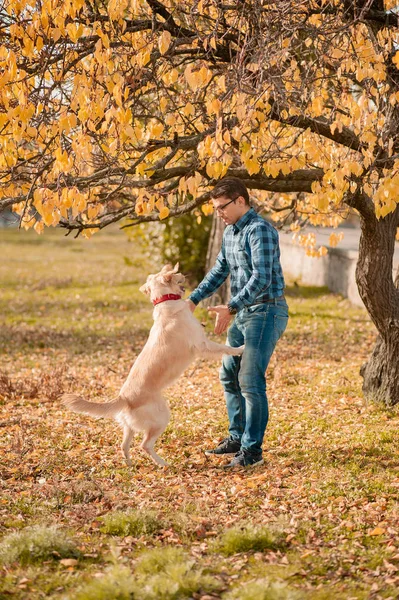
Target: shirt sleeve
263, 246
213, 280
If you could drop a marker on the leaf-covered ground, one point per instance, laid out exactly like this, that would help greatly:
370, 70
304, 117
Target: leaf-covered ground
319, 520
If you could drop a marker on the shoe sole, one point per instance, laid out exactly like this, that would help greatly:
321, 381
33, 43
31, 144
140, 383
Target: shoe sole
212, 453
257, 464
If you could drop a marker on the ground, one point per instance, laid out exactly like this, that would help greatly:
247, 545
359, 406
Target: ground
319, 520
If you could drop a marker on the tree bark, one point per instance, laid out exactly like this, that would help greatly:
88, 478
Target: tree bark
222, 295
381, 372
380, 294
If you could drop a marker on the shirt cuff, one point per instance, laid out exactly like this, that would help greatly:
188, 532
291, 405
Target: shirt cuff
236, 304
195, 298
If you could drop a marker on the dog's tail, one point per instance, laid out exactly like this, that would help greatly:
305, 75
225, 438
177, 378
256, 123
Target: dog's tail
95, 409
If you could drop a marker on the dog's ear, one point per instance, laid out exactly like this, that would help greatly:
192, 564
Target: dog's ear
166, 268
145, 289
167, 277
176, 268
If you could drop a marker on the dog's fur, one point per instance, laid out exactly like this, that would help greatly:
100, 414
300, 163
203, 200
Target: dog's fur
176, 339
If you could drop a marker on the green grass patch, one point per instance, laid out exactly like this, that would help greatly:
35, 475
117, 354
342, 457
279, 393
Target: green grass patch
170, 574
36, 544
116, 584
131, 522
248, 538
263, 590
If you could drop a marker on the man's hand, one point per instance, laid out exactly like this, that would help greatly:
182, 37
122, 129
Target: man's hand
191, 305
223, 318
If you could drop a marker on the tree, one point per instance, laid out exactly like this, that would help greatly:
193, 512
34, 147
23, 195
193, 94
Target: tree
129, 109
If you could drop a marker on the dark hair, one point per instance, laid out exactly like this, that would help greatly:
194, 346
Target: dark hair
232, 188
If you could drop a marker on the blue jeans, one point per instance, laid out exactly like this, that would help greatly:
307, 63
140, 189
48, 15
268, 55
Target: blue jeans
243, 377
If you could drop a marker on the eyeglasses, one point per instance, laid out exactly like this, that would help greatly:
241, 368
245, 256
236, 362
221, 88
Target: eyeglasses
223, 207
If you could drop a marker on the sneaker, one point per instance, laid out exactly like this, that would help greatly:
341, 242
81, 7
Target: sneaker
226, 447
244, 459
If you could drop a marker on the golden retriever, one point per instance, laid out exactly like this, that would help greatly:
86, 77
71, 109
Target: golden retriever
176, 339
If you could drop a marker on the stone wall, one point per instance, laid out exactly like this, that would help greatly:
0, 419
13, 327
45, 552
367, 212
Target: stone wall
336, 270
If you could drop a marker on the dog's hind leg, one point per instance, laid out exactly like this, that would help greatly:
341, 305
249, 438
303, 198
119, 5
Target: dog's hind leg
127, 440
148, 443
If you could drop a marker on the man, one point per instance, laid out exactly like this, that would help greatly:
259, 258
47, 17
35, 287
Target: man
250, 254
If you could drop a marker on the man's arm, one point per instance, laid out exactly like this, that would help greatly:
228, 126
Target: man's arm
263, 246
213, 280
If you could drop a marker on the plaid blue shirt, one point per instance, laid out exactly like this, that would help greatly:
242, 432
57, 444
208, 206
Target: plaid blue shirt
251, 254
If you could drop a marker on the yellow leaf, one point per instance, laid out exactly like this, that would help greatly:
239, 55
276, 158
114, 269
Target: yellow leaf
93, 211
164, 42
173, 76
207, 209
222, 83
156, 129
68, 562
74, 32
170, 119
334, 239
164, 212
376, 531
188, 110
252, 166
209, 169
55, 34
194, 79
163, 103
214, 106
322, 202
226, 137
39, 227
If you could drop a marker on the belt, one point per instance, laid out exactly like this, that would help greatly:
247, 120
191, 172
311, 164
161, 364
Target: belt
269, 300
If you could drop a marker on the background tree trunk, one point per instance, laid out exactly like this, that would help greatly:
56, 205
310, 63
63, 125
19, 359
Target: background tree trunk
381, 372
380, 295
222, 295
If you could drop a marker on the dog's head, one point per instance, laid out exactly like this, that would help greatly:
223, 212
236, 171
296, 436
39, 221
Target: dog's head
167, 281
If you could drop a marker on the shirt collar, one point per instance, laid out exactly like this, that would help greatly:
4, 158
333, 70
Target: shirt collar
240, 224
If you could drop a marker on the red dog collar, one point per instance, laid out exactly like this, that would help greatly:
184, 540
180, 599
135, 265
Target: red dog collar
165, 298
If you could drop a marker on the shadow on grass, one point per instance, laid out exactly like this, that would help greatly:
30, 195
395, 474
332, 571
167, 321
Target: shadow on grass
15, 339
306, 291
360, 458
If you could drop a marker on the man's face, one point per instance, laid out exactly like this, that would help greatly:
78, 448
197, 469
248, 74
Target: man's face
230, 211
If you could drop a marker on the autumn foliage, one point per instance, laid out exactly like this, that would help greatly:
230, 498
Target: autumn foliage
130, 108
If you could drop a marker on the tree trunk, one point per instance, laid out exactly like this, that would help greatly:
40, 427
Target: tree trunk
380, 294
222, 295
381, 372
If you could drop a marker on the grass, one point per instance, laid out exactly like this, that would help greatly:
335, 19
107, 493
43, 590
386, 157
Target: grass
36, 544
169, 574
131, 522
161, 573
116, 584
263, 590
72, 319
248, 538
